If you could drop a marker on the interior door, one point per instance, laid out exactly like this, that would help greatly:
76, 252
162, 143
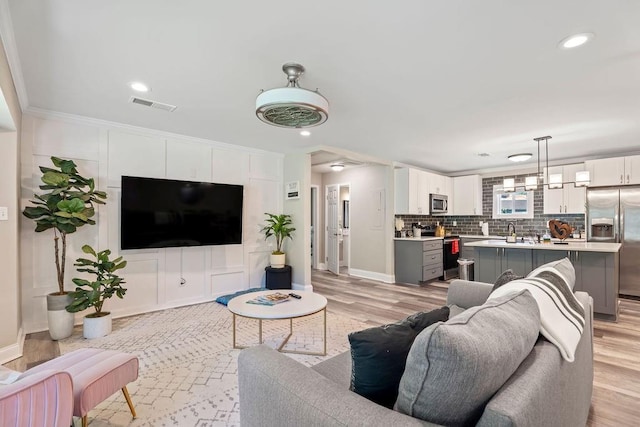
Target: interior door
333, 202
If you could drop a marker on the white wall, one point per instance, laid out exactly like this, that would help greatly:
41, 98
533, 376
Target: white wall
11, 333
297, 167
371, 209
108, 151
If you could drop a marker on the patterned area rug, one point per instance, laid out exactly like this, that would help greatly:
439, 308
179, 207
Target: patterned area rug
188, 368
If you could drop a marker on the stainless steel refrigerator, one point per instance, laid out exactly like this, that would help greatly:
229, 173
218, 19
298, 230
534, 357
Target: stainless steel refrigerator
613, 215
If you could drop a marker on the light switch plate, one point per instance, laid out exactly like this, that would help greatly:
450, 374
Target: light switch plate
4, 213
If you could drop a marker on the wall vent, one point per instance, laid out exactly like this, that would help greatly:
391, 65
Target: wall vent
152, 104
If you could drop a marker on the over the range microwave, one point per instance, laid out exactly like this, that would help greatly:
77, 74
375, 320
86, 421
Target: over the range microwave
438, 204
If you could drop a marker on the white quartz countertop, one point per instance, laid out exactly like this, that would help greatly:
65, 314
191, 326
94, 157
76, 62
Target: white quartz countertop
418, 239
570, 246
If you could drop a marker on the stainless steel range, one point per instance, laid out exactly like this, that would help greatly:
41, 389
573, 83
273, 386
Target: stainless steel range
450, 252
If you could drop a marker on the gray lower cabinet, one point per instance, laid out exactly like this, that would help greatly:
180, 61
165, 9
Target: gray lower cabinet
417, 260
491, 262
595, 275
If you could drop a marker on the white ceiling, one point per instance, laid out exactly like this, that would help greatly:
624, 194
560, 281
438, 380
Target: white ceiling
429, 83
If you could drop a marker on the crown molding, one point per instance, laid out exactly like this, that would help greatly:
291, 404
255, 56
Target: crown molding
11, 50
109, 125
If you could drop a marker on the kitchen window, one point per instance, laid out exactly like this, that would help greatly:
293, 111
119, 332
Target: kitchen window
515, 204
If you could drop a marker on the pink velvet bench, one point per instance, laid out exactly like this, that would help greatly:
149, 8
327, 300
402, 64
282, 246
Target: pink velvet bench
96, 375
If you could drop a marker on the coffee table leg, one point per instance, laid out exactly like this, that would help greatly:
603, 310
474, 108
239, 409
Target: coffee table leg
284, 342
311, 353
234, 331
325, 331
260, 329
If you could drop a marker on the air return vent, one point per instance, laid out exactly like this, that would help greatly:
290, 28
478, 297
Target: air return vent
152, 104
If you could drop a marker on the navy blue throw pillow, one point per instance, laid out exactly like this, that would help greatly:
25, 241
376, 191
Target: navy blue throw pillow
379, 355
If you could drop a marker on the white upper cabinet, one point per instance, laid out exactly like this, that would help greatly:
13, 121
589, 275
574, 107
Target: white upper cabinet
632, 170
412, 189
467, 195
438, 184
406, 191
614, 171
569, 199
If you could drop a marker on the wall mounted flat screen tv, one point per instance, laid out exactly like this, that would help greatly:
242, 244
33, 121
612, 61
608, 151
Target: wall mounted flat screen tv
161, 213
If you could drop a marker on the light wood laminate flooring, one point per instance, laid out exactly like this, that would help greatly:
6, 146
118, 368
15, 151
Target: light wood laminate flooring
616, 389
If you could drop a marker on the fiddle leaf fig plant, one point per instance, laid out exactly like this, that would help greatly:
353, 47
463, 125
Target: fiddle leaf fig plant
67, 205
280, 227
107, 283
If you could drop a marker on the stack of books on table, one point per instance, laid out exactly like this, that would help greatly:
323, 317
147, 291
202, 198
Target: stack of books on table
270, 299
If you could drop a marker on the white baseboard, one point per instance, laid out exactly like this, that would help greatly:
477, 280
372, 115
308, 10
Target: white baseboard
13, 351
322, 266
373, 275
301, 287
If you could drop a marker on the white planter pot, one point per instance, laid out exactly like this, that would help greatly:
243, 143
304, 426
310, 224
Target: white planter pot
60, 320
277, 261
96, 327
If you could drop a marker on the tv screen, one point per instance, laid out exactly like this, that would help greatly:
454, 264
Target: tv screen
161, 213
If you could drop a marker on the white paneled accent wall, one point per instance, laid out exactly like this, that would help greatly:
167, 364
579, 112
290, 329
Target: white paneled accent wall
156, 278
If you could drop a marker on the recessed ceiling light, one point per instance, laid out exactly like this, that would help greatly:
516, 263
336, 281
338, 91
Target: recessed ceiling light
483, 154
575, 40
139, 87
305, 133
521, 157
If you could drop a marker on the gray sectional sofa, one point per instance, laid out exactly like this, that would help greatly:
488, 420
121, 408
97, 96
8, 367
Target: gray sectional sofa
544, 390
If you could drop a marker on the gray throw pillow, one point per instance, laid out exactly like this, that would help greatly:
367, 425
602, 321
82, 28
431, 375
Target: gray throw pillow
378, 355
454, 368
505, 277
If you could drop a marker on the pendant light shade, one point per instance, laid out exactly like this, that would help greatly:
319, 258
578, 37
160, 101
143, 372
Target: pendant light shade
509, 185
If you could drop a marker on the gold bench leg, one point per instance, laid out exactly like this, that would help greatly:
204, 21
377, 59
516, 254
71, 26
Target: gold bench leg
84, 421
126, 396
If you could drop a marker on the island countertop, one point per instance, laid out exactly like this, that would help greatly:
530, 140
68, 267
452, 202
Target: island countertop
418, 239
570, 246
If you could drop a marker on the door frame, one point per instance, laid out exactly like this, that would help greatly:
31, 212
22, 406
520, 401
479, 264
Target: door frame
314, 221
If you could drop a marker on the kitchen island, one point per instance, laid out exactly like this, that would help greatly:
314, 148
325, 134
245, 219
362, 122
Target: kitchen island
597, 266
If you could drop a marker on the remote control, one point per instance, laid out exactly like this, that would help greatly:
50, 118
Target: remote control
296, 296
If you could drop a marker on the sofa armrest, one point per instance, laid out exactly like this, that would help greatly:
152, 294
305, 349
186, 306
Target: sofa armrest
276, 390
467, 294
43, 399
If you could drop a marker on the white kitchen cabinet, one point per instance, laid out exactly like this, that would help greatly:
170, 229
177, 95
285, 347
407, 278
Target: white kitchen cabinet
411, 195
412, 189
569, 198
467, 195
614, 171
437, 184
632, 170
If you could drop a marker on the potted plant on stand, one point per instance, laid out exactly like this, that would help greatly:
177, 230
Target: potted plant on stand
68, 205
94, 293
280, 227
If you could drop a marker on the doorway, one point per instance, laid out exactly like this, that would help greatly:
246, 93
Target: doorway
338, 235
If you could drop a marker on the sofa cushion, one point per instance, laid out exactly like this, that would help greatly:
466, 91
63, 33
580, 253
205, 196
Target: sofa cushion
454, 368
562, 316
505, 277
379, 354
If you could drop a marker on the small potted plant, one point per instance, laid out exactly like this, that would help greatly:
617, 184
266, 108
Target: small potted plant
94, 293
67, 204
280, 227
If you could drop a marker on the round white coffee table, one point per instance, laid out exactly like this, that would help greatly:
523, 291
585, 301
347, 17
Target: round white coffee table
309, 304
